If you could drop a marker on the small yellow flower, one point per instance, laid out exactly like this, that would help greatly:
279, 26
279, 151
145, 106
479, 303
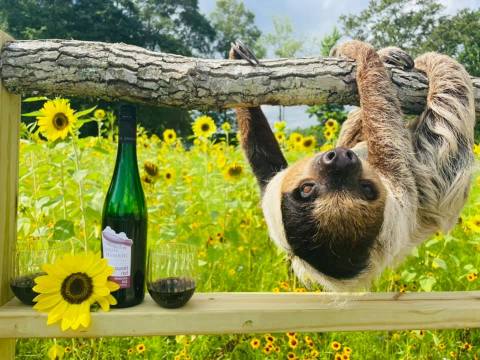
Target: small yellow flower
269, 338
335, 345
276, 290
476, 149
472, 277
347, 350
280, 136
169, 175
255, 343
291, 356
71, 285
442, 346
140, 348
474, 223
130, 351
169, 136
328, 134
99, 114
295, 138
226, 127
150, 168
467, 346
231, 272
345, 356
292, 342
338, 356
68, 349
332, 124
56, 352
300, 290
279, 125
309, 142
233, 171
284, 285
267, 349
314, 353
453, 354
147, 179
204, 126
291, 334
56, 119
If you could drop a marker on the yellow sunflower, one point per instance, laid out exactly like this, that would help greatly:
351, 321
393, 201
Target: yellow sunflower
56, 352
295, 138
226, 127
328, 134
326, 147
279, 125
332, 124
476, 149
99, 114
233, 171
280, 136
204, 126
309, 142
71, 285
169, 175
169, 136
150, 168
56, 119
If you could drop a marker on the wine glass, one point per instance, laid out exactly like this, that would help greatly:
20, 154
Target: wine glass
171, 274
28, 265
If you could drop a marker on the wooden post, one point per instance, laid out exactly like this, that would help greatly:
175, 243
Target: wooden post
9, 135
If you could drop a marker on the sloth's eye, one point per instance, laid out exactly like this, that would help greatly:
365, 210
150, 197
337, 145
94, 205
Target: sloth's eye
368, 190
307, 190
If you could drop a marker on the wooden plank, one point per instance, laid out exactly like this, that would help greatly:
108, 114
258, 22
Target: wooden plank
227, 313
9, 126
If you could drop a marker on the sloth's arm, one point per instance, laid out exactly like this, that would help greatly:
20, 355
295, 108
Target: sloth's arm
257, 139
389, 143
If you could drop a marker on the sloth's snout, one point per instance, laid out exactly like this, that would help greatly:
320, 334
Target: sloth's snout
340, 160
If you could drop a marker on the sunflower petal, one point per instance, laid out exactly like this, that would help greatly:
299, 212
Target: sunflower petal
103, 302
57, 312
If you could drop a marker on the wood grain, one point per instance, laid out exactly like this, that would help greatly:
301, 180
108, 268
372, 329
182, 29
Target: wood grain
228, 313
9, 126
119, 71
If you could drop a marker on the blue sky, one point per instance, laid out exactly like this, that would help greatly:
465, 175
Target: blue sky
311, 19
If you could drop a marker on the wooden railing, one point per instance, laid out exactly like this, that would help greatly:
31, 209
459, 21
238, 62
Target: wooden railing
134, 74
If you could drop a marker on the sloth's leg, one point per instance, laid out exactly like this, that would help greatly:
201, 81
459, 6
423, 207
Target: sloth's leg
443, 137
351, 132
257, 139
389, 145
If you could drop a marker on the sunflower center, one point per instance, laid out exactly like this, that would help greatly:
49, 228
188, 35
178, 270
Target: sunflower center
60, 121
205, 127
168, 175
76, 288
307, 143
235, 171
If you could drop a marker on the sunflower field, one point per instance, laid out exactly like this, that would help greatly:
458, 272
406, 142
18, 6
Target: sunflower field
201, 191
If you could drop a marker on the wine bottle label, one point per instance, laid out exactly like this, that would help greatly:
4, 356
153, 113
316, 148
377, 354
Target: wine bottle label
117, 249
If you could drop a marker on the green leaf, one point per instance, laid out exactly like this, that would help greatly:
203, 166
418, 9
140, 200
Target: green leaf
85, 112
79, 175
35, 98
33, 113
63, 230
439, 263
427, 283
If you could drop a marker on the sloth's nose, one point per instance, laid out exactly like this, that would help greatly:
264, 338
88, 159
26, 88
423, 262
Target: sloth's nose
341, 160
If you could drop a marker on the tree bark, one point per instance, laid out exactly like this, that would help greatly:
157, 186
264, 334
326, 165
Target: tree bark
130, 73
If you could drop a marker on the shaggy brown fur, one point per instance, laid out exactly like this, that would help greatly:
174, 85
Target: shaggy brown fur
408, 182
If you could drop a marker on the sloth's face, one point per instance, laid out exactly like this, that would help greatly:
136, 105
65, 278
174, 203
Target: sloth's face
332, 207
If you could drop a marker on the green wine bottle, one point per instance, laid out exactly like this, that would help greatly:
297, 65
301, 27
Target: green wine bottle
124, 220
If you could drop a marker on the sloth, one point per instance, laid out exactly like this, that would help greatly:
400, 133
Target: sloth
344, 215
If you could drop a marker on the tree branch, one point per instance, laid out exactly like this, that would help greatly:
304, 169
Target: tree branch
130, 73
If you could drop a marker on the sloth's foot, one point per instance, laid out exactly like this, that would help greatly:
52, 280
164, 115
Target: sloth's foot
353, 49
239, 51
396, 57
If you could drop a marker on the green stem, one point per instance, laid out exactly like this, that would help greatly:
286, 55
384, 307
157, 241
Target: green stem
80, 190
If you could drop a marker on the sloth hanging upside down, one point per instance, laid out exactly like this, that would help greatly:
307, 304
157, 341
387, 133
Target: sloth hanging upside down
343, 215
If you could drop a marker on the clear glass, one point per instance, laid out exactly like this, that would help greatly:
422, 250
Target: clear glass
171, 274
28, 265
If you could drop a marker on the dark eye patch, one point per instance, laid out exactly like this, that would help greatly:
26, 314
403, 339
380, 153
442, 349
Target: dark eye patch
369, 190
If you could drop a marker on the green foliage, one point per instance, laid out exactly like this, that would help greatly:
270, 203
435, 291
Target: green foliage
329, 41
418, 27
233, 21
201, 206
282, 41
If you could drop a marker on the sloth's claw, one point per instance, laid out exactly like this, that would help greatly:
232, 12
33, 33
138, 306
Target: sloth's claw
241, 51
397, 57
